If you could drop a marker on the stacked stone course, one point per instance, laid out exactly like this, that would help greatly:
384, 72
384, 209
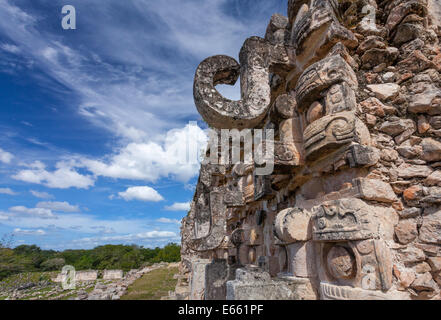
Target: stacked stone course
352, 210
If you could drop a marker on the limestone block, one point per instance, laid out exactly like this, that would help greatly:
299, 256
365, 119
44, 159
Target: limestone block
434, 179
425, 99
431, 150
424, 283
334, 292
434, 10
293, 224
398, 126
399, 12
406, 231
217, 273
301, 261
270, 264
112, 274
285, 106
409, 171
377, 190
430, 231
376, 56
302, 288
435, 263
86, 275
384, 91
197, 285
277, 32
257, 285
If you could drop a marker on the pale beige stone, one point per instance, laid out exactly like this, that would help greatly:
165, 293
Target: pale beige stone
384, 91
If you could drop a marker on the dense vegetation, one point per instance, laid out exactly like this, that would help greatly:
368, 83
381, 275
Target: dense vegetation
31, 258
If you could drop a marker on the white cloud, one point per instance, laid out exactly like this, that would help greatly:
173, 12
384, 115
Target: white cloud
149, 79
80, 223
178, 206
38, 232
132, 237
177, 156
141, 194
99, 230
42, 195
125, 82
104, 230
10, 48
63, 177
8, 191
5, 157
25, 212
167, 220
58, 206
156, 234
136, 85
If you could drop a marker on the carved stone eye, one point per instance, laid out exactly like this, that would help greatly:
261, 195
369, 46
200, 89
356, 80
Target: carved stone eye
341, 263
321, 223
333, 74
315, 112
331, 211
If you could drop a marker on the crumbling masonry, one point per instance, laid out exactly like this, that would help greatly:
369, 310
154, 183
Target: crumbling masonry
352, 210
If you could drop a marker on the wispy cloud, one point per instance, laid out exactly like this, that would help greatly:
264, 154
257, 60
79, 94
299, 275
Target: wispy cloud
24, 212
63, 177
178, 206
125, 78
167, 220
8, 191
9, 48
133, 77
129, 237
41, 195
58, 206
38, 232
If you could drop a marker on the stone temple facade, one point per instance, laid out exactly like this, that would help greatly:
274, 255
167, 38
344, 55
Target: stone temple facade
352, 209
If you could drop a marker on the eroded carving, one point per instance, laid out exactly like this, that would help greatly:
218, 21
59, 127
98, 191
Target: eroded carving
350, 88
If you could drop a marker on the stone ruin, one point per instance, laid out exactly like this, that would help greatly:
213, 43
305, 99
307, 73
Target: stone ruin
352, 209
90, 275
113, 274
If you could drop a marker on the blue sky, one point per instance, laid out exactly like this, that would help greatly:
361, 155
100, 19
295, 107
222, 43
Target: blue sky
94, 121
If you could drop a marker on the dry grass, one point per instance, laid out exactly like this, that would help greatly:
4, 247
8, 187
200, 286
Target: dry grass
153, 285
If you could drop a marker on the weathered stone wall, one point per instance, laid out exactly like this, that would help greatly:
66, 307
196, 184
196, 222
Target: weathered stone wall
113, 274
86, 275
352, 209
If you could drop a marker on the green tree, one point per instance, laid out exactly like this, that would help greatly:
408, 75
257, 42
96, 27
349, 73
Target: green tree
53, 264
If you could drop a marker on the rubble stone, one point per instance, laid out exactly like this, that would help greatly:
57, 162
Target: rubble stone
384, 91
431, 150
406, 231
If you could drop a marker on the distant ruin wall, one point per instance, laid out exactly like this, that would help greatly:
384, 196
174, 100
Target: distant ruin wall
112, 274
86, 275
